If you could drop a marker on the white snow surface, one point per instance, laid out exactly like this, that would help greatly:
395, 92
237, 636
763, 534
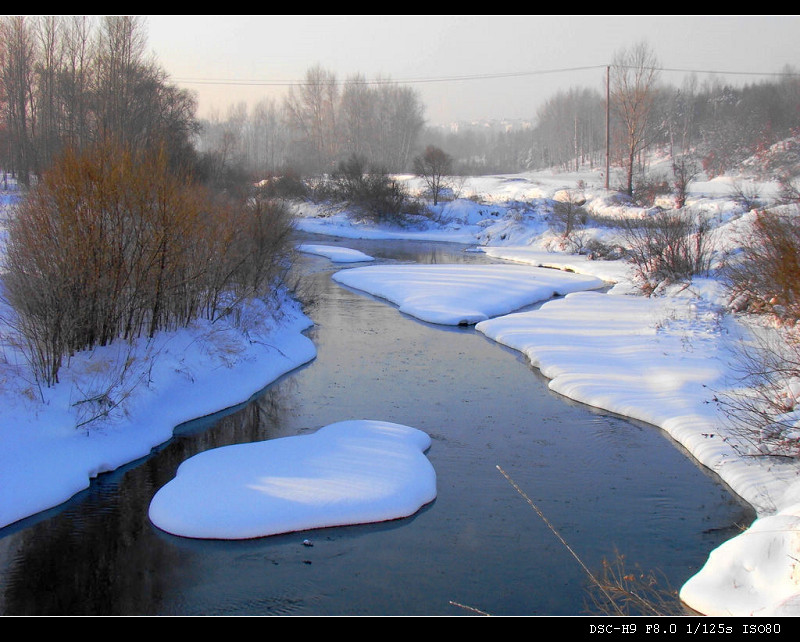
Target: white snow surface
462, 294
660, 359
351, 472
749, 574
335, 253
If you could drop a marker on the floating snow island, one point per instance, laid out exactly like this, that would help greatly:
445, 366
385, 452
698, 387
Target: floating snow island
335, 254
463, 294
350, 472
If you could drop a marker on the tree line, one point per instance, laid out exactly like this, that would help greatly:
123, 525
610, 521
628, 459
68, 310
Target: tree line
718, 123
73, 81
320, 122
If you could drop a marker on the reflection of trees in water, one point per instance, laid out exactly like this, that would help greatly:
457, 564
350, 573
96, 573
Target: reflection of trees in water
95, 557
101, 555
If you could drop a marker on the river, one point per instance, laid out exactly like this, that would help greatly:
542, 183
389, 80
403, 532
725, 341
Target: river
608, 485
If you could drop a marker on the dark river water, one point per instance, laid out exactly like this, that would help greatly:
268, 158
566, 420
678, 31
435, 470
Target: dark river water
608, 485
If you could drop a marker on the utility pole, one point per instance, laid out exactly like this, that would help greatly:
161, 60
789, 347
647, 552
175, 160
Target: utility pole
608, 108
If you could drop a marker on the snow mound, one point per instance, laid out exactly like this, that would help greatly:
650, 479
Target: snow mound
612, 271
351, 472
336, 254
463, 294
755, 573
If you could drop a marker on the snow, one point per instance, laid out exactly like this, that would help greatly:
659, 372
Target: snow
462, 294
660, 359
334, 253
51, 445
351, 472
755, 562
610, 271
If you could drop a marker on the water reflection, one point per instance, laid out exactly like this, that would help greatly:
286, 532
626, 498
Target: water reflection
607, 484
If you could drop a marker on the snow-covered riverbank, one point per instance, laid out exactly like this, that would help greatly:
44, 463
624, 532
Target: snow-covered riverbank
115, 404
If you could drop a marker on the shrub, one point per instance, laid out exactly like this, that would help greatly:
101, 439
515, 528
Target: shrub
685, 169
568, 212
668, 247
746, 195
288, 184
765, 277
763, 406
112, 244
598, 250
369, 192
648, 188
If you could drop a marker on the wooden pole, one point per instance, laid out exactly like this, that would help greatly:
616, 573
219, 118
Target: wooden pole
608, 108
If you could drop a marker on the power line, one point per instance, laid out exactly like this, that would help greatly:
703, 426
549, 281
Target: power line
458, 78
380, 81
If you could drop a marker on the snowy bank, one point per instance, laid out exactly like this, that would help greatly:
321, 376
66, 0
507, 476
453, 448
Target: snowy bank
463, 294
749, 574
335, 253
612, 271
351, 472
115, 403
341, 225
659, 360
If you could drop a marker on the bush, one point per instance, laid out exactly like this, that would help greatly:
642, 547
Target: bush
111, 244
763, 408
288, 184
765, 277
568, 212
685, 169
647, 189
668, 247
370, 193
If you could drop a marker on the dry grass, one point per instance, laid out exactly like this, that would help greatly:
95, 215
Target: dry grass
617, 590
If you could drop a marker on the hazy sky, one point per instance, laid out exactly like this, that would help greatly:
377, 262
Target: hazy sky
545, 51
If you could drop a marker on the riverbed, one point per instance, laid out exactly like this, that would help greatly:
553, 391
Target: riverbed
610, 486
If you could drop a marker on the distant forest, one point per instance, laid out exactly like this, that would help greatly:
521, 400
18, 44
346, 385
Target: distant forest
67, 82
72, 82
326, 121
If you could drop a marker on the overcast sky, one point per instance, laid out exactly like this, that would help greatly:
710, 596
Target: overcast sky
548, 53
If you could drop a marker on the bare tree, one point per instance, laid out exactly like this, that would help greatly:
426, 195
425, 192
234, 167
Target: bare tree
269, 139
401, 120
571, 127
17, 66
434, 166
48, 34
120, 51
74, 81
311, 113
685, 169
358, 118
634, 75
